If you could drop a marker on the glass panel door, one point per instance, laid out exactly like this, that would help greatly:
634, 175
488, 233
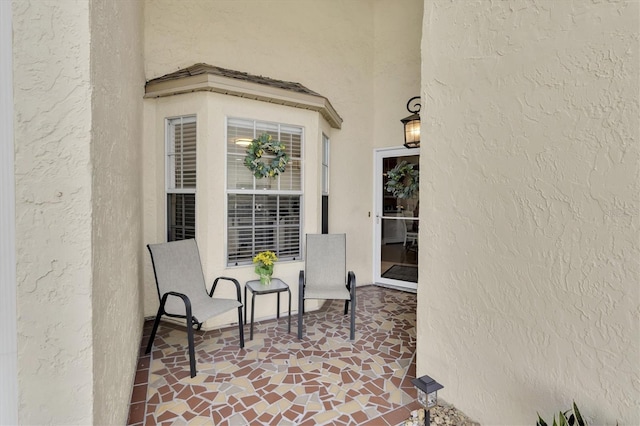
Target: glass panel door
397, 211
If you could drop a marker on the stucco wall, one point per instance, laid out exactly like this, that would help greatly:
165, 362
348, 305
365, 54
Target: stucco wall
8, 326
529, 293
117, 78
328, 46
53, 211
396, 67
78, 88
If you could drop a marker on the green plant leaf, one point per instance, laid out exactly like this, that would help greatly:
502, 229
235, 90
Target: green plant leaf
540, 422
562, 421
581, 422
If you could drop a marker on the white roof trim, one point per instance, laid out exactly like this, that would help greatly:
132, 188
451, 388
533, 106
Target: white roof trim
244, 89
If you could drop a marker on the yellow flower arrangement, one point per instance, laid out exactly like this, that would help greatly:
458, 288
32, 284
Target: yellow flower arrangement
264, 264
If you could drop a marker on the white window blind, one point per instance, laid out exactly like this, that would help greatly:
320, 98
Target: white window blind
263, 214
181, 178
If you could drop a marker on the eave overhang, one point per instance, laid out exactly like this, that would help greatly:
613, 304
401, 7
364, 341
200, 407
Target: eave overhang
208, 78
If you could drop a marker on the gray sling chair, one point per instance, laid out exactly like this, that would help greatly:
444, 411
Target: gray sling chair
183, 293
325, 275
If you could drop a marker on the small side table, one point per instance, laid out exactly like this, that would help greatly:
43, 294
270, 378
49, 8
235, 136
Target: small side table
276, 286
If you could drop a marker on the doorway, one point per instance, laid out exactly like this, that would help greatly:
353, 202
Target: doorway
396, 224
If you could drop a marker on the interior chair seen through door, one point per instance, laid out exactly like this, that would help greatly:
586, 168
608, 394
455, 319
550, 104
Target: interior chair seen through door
183, 293
325, 276
410, 234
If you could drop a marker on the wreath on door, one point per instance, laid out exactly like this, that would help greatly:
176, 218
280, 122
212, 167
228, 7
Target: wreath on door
260, 167
403, 180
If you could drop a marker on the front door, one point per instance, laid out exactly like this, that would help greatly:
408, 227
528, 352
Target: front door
396, 223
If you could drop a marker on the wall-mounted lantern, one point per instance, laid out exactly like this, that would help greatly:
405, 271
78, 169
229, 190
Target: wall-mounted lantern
427, 394
412, 124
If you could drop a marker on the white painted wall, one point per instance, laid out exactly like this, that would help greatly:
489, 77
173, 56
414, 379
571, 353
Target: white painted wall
117, 81
332, 47
529, 296
8, 326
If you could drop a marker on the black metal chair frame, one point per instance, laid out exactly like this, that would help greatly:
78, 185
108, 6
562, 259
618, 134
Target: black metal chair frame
351, 286
189, 317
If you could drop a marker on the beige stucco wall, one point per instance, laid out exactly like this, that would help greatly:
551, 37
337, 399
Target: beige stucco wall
117, 82
53, 211
528, 295
331, 47
78, 111
8, 320
396, 67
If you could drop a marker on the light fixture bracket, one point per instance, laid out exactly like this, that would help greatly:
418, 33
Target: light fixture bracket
412, 124
415, 101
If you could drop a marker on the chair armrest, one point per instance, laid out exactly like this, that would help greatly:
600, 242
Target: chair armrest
301, 282
233, 280
183, 296
351, 282
185, 299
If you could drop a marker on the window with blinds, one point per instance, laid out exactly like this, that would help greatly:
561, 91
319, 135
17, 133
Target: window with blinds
263, 214
325, 165
181, 178
325, 184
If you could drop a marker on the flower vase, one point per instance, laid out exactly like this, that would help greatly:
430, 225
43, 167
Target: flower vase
265, 279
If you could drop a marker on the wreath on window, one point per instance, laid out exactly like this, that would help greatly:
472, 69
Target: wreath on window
404, 180
265, 168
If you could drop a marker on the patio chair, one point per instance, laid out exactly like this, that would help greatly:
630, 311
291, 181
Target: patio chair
410, 235
183, 293
325, 275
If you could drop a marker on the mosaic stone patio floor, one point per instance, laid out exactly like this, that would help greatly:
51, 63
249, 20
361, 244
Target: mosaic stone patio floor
323, 379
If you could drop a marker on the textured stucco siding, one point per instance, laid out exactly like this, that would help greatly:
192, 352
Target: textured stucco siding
529, 268
117, 78
396, 67
53, 211
8, 326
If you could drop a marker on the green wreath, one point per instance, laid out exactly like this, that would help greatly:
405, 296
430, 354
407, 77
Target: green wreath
404, 180
261, 146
